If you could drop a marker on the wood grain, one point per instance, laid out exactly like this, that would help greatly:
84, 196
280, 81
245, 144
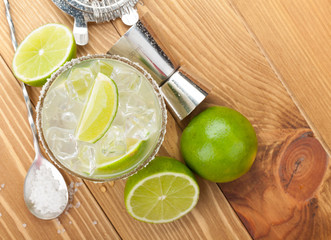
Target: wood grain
16, 157
102, 36
282, 197
225, 44
211, 218
295, 37
214, 210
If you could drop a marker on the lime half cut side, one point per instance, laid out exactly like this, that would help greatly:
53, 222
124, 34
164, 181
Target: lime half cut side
99, 111
42, 52
162, 192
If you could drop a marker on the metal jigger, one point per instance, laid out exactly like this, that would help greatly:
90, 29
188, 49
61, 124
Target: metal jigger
181, 94
138, 45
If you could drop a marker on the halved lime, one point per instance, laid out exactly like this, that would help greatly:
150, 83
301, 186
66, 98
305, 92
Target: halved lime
42, 52
99, 111
162, 192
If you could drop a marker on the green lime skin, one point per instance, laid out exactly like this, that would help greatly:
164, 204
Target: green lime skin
125, 163
158, 165
40, 82
219, 144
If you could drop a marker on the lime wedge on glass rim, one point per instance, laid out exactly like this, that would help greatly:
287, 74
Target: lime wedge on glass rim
162, 192
42, 52
99, 111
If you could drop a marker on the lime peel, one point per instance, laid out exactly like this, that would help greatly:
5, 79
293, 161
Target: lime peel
123, 162
194, 202
162, 192
99, 111
133, 150
219, 144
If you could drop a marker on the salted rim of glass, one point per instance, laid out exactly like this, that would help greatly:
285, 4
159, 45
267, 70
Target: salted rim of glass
74, 62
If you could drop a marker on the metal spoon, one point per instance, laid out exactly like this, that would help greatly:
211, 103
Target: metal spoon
39, 159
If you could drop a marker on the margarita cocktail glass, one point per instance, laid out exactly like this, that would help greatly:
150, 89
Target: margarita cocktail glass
134, 135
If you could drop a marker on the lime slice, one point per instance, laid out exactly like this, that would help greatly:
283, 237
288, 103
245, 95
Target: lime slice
132, 146
82, 77
136, 150
162, 192
42, 52
99, 111
114, 164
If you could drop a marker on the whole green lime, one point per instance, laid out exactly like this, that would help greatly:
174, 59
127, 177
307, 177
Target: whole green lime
219, 144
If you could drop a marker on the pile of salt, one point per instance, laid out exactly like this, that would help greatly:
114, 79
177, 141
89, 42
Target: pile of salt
46, 194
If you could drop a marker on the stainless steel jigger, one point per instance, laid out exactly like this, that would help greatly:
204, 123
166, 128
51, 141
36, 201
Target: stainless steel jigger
181, 94
138, 45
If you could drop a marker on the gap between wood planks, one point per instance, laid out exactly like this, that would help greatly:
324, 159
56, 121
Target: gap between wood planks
279, 76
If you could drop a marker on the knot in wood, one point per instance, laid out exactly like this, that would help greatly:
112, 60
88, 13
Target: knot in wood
302, 167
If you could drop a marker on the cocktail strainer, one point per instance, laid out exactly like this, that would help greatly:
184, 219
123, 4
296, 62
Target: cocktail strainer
85, 11
138, 45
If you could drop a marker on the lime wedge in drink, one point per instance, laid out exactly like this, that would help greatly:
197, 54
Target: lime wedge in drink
99, 111
162, 192
136, 150
42, 52
81, 78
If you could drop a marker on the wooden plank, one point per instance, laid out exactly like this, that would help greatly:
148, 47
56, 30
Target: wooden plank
214, 44
219, 215
79, 222
211, 218
27, 16
281, 197
295, 37
17, 153
213, 208
101, 36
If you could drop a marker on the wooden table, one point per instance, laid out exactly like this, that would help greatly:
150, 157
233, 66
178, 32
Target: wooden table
270, 60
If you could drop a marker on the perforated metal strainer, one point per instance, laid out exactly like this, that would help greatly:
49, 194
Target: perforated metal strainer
138, 45
85, 11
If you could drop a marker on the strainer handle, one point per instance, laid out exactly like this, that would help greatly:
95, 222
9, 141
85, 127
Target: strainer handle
80, 31
131, 17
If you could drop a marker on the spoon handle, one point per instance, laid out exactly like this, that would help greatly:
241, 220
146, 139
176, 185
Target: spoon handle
25, 93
